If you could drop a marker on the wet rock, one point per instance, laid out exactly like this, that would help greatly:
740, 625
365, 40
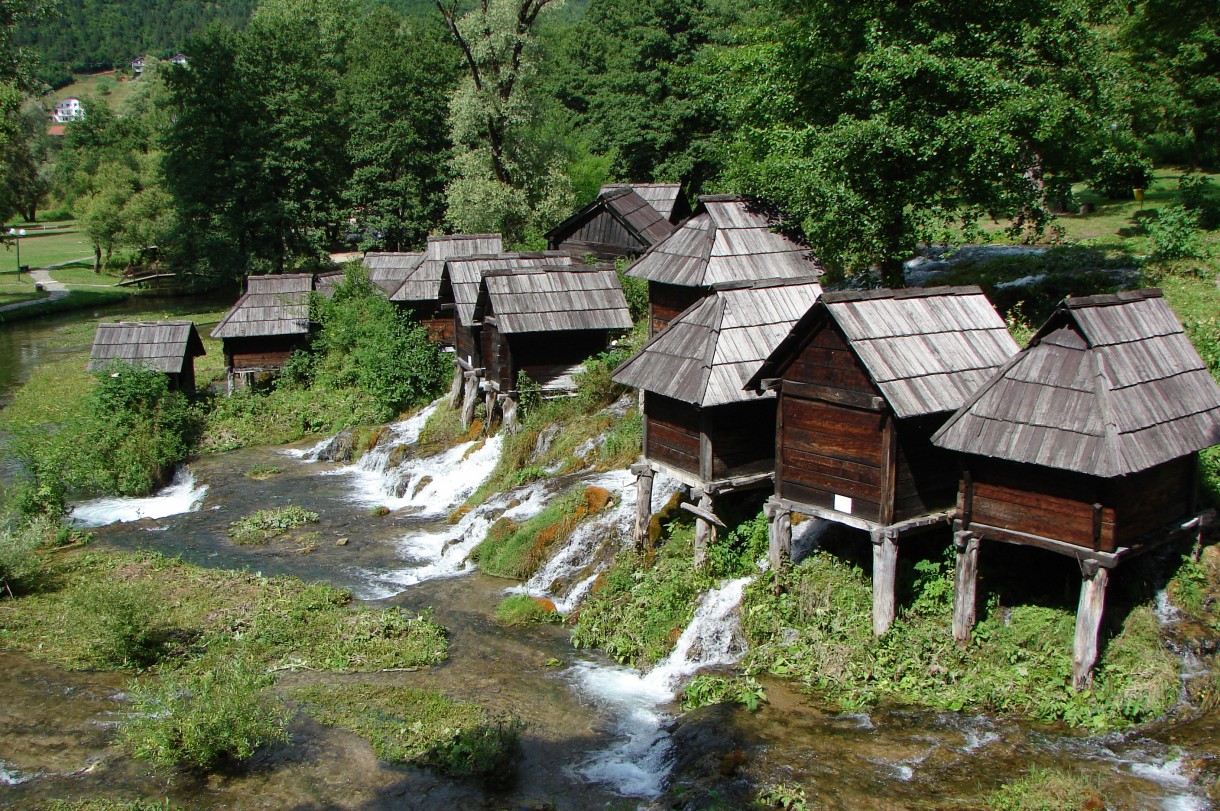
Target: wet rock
709, 754
341, 448
341, 542
423, 482
546, 438
401, 484
620, 407
380, 512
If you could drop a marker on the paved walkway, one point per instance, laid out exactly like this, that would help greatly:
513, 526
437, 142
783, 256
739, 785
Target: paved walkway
57, 290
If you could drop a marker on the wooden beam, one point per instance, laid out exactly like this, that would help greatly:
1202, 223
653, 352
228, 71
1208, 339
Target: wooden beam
889, 469
965, 585
1088, 623
779, 537
967, 498
705, 527
643, 506
702, 513
705, 445
829, 394
885, 571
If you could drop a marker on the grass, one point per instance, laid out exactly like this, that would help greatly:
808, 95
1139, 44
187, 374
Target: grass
103, 804
14, 288
91, 84
520, 609
49, 243
262, 526
419, 727
1047, 790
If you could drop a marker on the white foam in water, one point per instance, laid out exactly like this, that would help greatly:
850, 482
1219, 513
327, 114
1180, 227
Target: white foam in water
577, 565
1166, 612
181, 496
10, 776
443, 553
1168, 774
637, 765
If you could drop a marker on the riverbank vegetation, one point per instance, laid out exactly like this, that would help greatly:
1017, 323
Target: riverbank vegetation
518, 550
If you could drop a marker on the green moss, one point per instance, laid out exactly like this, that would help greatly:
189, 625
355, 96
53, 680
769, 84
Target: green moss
108, 805
422, 727
517, 551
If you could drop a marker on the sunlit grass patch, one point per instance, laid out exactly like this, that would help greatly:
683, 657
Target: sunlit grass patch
262, 526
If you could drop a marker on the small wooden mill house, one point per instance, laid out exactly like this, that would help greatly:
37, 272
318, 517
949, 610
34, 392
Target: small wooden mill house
666, 198
1085, 444
700, 425
164, 346
265, 326
389, 269
420, 291
727, 239
544, 321
864, 380
619, 222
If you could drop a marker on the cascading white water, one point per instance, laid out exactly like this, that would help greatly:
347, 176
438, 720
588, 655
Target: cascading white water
566, 578
181, 496
638, 763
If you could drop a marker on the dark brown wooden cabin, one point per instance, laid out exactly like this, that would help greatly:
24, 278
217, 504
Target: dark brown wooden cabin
265, 326
545, 321
864, 380
164, 346
617, 223
420, 290
727, 239
461, 280
700, 426
1086, 444
389, 269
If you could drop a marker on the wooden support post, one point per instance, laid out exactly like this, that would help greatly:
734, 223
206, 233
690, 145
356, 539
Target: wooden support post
470, 398
455, 389
1088, 622
489, 410
779, 538
705, 531
885, 572
965, 585
643, 505
508, 407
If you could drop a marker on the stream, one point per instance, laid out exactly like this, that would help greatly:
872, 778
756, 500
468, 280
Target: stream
599, 735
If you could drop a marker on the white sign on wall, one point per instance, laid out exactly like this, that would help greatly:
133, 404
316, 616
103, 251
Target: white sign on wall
842, 504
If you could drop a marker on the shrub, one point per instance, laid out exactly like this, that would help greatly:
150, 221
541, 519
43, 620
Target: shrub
121, 620
707, 689
1199, 196
1116, 172
264, 525
1175, 234
202, 719
19, 561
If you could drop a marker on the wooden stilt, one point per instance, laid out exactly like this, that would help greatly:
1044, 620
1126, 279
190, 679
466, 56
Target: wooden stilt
470, 398
508, 407
885, 571
1088, 622
455, 388
779, 539
705, 531
643, 505
489, 410
965, 586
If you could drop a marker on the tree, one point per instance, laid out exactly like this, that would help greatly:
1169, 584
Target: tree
508, 176
398, 84
28, 175
16, 83
882, 124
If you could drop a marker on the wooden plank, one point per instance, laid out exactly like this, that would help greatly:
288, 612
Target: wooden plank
965, 585
830, 394
889, 451
1088, 626
863, 509
885, 572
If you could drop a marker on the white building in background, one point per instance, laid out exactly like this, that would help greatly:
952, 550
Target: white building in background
69, 109
178, 59
137, 65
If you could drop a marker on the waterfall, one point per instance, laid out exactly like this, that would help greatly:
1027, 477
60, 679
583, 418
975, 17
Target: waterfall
638, 763
566, 578
181, 496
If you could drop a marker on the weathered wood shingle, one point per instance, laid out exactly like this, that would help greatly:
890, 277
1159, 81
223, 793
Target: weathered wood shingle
553, 299
709, 352
163, 346
465, 275
424, 282
272, 305
726, 240
1109, 386
618, 218
666, 198
389, 269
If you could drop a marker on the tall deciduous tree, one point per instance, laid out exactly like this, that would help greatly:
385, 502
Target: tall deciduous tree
883, 123
508, 175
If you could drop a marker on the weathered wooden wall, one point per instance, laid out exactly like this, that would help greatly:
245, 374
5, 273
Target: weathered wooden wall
671, 432
926, 477
602, 236
667, 301
263, 352
742, 438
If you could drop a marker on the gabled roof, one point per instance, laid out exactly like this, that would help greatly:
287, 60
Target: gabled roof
272, 305
163, 346
664, 197
631, 211
727, 239
544, 299
424, 283
1109, 386
707, 353
389, 269
927, 350
466, 273
327, 282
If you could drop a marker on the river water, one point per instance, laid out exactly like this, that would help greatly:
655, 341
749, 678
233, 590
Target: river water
599, 735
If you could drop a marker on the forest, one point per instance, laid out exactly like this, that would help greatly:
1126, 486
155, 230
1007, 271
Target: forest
875, 127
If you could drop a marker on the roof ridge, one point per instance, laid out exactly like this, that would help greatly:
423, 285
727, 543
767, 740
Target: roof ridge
836, 296
451, 237
758, 284
1101, 383
1107, 299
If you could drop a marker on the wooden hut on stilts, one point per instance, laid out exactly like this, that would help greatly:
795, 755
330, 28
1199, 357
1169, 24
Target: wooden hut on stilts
420, 290
1084, 444
864, 379
263, 328
700, 425
389, 269
619, 222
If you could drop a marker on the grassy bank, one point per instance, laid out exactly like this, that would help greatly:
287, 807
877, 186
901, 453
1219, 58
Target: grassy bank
75, 300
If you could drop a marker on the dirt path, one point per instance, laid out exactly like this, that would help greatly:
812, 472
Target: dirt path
42, 276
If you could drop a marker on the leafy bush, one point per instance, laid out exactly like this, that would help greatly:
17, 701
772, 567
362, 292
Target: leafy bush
202, 719
1200, 196
1116, 172
19, 560
122, 621
283, 415
264, 525
635, 291
707, 689
1175, 234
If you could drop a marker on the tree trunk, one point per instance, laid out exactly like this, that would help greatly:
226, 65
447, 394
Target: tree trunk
97, 259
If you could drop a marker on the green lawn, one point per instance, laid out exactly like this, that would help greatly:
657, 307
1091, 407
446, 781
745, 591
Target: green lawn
45, 243
104, 84
13, 289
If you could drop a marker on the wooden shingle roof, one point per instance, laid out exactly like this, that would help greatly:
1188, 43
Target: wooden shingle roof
928, 350
707, 353
162, 346
1109, 386
631, 210
548, 299
465, 274
727, 239
661, 196
389, 269
272, 305
424, 283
